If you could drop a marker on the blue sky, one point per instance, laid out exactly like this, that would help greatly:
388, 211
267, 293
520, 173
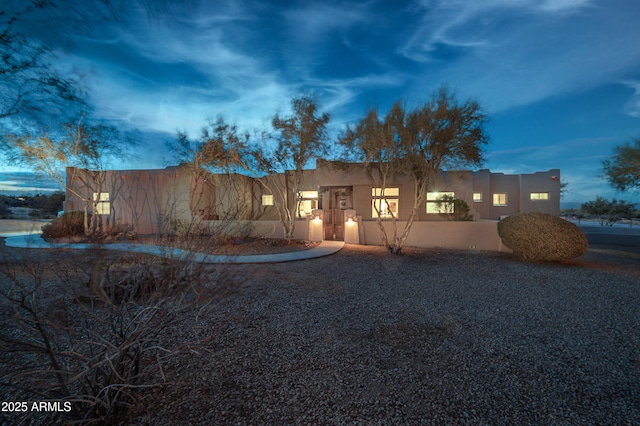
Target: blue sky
559, 79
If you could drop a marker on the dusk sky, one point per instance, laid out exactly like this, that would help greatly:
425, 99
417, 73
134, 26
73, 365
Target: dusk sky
559, 79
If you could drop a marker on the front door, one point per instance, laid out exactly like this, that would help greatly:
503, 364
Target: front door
333, 225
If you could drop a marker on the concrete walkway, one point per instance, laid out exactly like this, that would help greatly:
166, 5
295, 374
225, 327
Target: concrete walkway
35, 241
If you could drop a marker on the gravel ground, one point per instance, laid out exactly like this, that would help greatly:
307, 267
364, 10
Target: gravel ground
432, 337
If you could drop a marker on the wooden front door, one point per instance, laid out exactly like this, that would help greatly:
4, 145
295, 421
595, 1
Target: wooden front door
333, 225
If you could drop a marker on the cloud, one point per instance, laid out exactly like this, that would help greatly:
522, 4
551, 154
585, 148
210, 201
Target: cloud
513, 53
314, 21
632, 107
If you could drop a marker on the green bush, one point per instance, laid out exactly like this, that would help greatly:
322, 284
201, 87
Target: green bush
541, 236
70, 224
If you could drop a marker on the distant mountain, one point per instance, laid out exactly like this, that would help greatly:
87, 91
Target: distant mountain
25, 183
569, 205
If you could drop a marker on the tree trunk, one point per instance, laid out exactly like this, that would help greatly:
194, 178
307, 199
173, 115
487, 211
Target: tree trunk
86, 220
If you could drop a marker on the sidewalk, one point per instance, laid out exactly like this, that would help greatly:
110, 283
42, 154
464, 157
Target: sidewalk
35, 241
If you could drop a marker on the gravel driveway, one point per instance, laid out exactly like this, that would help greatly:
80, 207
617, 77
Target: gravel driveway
431, 337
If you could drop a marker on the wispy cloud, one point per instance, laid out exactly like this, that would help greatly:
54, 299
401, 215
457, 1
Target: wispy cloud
173, 64
510, 53
633, 106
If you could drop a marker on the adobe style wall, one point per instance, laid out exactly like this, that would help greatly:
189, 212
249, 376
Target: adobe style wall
481, 235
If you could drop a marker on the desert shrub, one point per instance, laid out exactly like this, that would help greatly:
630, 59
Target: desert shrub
541, 236
68, 225
94, 331
454, 208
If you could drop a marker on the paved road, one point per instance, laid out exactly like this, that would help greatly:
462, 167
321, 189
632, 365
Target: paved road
613, 236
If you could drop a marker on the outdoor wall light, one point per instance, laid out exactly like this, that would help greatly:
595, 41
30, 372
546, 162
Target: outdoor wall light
317, 218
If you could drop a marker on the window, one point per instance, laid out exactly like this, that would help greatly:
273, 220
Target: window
384, 201
103, 206
500, 199
308, 194
308, 200
539, 196
477, 197
435, 204
267, 200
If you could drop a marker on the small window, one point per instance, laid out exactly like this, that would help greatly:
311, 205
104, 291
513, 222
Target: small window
388, 192
477, 197
267, 200
387, 204
500, 199
539, 196
435, 204
104, 206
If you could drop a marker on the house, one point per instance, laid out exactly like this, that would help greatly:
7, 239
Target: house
156, 201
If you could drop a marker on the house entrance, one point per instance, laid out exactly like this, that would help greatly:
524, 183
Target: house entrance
333, 201
333, 225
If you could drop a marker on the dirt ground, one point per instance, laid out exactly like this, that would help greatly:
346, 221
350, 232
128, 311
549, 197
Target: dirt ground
431, 337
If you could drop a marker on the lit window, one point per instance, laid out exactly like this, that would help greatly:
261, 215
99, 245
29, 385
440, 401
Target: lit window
382, 205
308, 195
308, 201
267, 200
103, 206
477, 197
537, 196
500, 199
435, 204
388, 192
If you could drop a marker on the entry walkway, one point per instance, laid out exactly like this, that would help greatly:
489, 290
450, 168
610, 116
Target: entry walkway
324, 249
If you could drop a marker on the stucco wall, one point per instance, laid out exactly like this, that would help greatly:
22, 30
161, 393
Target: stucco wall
450, 235
548, 181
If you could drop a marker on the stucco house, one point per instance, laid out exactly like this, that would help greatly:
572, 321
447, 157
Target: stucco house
335, 193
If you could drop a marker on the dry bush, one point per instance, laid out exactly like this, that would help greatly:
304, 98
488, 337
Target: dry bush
70, 224
542, 237
90, 333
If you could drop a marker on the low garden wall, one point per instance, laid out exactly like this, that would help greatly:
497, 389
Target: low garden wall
260, 228
481, 235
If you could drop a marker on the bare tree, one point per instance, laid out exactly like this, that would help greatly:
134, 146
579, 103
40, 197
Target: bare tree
86, 149
279, 169
300, 138
440, 135
30, 88
218, 192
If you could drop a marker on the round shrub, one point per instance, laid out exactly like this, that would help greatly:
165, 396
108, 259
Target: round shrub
541, 236
70, 224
